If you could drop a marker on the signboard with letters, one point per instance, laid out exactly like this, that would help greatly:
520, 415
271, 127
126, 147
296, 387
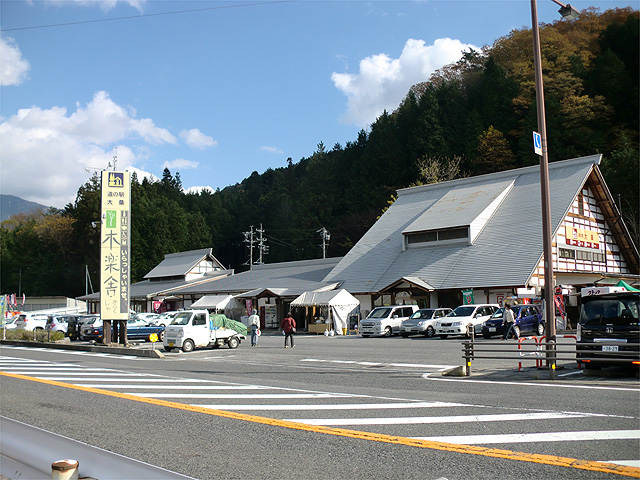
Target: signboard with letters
115, 248
579, 237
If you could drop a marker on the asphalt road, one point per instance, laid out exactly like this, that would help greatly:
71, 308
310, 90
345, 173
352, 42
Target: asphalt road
337, 407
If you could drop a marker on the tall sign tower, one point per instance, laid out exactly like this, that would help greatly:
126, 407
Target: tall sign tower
115, 253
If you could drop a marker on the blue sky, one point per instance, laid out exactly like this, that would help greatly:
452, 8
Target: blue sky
219, 90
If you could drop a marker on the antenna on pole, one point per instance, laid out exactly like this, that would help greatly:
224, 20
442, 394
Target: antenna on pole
248, 239
326, 236
115, 160
262, 248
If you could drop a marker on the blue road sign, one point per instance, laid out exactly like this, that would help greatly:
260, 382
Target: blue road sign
537, 143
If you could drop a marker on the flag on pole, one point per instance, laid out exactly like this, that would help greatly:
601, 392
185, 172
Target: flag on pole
23, 298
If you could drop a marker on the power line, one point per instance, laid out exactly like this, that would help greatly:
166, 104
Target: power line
145, 15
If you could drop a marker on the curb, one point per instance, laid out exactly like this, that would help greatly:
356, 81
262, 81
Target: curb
131, 351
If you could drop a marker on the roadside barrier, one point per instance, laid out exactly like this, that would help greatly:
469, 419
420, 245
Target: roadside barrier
524, 354
547, 353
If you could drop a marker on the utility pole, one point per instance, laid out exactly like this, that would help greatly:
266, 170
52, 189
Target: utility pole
248, 239
262, 248
325, 235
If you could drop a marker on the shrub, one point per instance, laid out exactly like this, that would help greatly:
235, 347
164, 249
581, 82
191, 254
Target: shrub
37, 335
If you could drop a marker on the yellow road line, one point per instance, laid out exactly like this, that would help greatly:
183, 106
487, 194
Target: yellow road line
375, 437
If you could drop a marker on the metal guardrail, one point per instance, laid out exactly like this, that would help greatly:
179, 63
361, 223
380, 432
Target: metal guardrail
28, 452
547, 354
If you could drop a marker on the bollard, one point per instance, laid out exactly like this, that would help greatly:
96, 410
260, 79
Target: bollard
64, 470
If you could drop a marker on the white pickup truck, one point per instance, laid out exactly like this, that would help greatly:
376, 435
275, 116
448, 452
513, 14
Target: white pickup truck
197, 328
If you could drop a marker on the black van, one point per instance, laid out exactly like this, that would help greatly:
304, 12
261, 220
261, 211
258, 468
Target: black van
609, 330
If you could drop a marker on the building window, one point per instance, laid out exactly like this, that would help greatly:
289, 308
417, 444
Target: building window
599, 257
567, 253
581, 255
438, 235
580, 204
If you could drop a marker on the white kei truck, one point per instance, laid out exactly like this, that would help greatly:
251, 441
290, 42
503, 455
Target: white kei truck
197, 328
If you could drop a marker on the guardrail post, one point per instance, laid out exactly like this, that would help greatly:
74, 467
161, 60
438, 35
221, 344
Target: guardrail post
64, 470
468, 355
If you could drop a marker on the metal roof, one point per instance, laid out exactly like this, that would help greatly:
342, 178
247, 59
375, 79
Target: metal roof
180, 264
505, 252
287, 278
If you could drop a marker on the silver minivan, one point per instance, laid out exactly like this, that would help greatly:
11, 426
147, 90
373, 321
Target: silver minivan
385, 320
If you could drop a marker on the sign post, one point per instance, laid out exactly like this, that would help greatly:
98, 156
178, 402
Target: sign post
115, 253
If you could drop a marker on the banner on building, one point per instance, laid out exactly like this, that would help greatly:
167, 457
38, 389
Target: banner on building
115, 248
467, 297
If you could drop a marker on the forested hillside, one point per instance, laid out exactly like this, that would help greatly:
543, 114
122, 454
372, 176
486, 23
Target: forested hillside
470, 118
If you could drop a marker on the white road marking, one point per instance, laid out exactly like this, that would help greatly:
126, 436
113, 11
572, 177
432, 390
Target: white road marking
177, 387
447, 419
242, 395
537, 437
380, 364
343, 406
428, 376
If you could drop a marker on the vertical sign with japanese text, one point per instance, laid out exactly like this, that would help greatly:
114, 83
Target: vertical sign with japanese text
115, 248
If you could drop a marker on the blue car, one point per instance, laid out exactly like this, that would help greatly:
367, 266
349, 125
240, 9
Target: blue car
527, 319
136, 330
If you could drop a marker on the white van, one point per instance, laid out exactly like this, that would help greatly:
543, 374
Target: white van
385, 320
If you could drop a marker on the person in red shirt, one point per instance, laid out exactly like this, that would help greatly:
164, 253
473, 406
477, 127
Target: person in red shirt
289, 327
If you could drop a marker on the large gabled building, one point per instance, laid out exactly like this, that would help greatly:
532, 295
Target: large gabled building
483, 236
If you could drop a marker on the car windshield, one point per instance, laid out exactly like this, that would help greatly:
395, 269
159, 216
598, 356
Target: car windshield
379, 313
181, 318
423, 314
462, 312
498, 313
610, 311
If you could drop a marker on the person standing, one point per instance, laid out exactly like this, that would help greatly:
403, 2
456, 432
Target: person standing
508, 321
254, 321
289, 327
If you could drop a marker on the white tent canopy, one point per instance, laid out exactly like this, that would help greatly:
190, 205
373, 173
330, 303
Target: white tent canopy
341, 303
231, 306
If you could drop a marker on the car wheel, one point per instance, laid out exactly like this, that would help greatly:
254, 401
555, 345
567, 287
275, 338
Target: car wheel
430, 332
444, 337
161, 336
540, 329
516, 330
404, 335
588, 366
233, 342
188, 346
387, 332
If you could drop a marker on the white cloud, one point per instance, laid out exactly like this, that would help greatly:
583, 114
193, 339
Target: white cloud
14, 68
46, 153
180, 164
271, 149
196, 139
383, 82
105, 5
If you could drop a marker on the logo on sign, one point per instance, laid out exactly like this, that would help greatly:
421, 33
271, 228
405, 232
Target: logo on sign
115, 179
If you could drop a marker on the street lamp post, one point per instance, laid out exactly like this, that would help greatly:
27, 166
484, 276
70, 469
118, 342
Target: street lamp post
566, 11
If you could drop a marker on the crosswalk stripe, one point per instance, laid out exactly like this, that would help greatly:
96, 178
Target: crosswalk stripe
241, 395
446, 419
537, 437
342, 406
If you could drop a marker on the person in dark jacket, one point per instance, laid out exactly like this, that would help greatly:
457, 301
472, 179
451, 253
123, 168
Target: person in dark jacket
289, 327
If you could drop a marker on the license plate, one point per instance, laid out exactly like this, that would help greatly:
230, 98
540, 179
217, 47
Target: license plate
171, 344
492, 329
609, 348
